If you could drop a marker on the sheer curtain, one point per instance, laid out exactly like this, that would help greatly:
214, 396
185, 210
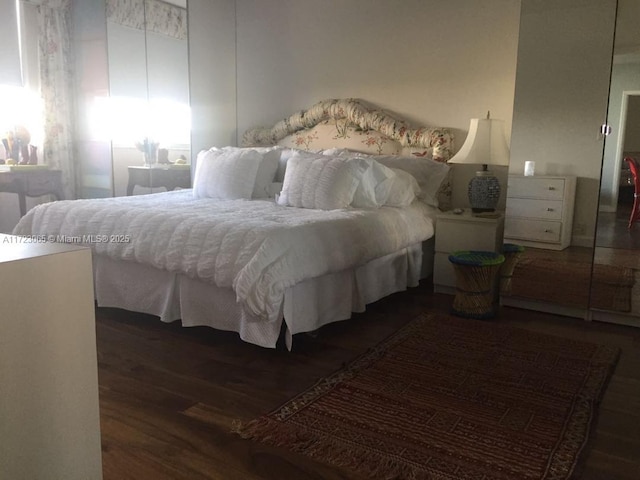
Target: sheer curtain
56, 87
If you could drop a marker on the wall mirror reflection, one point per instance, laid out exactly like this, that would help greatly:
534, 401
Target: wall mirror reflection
148, 115
618, 230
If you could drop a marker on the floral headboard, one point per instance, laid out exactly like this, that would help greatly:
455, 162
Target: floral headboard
350, 123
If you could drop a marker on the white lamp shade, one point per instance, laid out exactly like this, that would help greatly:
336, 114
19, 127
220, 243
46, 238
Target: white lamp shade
485, 144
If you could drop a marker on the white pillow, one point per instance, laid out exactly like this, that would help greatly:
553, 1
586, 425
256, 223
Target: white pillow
404, 188
285, 155
226, 174
429, 174
321, 182
343, 152
374, 188
274, 189
266, 171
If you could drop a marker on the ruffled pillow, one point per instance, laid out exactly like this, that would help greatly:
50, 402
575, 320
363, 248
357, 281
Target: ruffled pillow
226, 174
321, 182
267, 169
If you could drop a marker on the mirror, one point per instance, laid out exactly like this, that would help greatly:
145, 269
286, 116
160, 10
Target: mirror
562, 84
615, 258
148, 114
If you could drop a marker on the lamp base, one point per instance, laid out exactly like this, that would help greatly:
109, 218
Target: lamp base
484, 192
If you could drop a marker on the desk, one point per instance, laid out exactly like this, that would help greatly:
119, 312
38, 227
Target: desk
31, 183
169, 177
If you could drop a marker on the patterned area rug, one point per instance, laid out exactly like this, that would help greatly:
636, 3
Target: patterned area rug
447, 398
567, 283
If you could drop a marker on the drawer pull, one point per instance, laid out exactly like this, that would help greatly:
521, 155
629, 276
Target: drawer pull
548, 231
549, 209
552, 188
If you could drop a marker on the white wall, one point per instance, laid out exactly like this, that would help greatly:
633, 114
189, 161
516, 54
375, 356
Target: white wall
632, 127
562, 86
435, 63
212, 73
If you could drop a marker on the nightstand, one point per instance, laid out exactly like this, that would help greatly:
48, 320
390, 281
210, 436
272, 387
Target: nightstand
463, 231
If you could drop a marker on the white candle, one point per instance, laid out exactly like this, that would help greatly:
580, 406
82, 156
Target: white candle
529, 168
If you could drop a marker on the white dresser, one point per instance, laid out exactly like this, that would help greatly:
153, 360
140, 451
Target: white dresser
462, 232
540, 211
49, 415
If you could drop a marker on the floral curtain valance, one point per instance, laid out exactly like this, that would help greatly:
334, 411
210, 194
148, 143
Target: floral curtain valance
161, 17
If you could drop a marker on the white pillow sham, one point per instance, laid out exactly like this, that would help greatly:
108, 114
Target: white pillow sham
429, 174
404, 189
227, 174
285, 155
266, 171
321, 182
375, 186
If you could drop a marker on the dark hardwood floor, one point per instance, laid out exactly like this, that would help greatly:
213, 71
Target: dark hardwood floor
169, 395
612, 229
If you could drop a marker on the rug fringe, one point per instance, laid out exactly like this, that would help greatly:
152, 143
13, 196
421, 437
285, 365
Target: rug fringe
349, 456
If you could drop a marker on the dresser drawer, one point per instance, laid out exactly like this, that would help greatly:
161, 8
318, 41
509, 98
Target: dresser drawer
39, 183
534, 208
533, 230
536, 187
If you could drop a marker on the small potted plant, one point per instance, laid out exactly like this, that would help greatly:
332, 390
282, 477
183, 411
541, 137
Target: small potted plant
149, 150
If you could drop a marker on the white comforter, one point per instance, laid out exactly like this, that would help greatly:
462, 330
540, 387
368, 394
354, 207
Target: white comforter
256, 247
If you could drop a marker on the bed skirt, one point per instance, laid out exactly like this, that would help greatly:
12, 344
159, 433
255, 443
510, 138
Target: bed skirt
306, 306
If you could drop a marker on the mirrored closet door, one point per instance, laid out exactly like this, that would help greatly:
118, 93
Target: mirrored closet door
562, 84
615, 290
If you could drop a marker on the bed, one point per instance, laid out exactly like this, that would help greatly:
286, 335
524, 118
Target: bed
307, 222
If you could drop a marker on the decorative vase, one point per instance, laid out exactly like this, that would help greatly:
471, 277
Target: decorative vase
24, 154
145, 159
33, 155
15, 150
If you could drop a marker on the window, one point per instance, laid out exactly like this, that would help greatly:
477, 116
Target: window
21, 105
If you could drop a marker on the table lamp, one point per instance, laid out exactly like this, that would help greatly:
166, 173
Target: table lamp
485, 145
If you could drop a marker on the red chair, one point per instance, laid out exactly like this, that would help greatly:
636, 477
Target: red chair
634, 168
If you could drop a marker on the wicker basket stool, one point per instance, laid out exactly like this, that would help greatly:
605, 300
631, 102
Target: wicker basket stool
512, 253
476, 274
